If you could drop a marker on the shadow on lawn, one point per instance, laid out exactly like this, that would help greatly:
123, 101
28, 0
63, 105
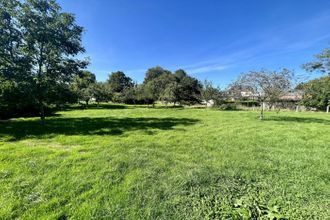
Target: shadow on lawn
18, 130
298, 119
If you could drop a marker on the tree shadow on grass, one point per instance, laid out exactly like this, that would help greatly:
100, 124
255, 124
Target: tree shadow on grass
20, 129
298, 119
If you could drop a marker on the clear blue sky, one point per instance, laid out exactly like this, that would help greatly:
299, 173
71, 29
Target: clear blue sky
211, 39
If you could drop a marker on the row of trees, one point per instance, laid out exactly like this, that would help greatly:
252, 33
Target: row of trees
159, 84
38, 70
163, 85
264, 86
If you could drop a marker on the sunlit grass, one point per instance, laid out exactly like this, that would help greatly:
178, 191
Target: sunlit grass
144, 163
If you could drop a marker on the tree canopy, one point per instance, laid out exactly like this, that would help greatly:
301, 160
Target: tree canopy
322, 63
316, 93
38, 43
118, 81
266, 86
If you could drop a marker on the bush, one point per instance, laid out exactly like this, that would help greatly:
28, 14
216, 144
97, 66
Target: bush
29, 110
228, 107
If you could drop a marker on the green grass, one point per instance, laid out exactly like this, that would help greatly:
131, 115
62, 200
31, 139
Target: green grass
139, 163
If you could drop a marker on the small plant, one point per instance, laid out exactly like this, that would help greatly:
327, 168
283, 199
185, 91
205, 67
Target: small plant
247, 209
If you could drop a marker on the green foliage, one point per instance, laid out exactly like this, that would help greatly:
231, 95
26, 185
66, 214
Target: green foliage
316, 93
209, 92
170, 93
177, 87
38, 42
250, 208
118, 82
84, 86
188, 89
156, 81
126, 162
155, 72
321, 65
101, 92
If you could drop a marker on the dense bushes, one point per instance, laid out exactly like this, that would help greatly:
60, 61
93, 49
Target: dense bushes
316, 93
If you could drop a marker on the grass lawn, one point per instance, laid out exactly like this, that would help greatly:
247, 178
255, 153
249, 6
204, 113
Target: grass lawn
139, 163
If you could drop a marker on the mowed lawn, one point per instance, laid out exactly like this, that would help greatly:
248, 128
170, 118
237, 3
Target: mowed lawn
126, 162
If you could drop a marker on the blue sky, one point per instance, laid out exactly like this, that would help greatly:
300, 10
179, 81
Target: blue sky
211, 39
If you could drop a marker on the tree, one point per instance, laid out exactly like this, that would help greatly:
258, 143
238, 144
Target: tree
316, 93
118, 82
150, 92
161, 84
209, 92
321, 65
38, 45
84, 86
101, 92
188, 89
266, 86
15, 78
156, 81
180, 74
129, 96
170, 93
154, 73
141, 95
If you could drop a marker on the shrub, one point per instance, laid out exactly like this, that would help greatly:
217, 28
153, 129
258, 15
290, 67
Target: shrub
228, 107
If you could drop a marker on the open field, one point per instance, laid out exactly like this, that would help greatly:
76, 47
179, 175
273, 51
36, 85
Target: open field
140, 163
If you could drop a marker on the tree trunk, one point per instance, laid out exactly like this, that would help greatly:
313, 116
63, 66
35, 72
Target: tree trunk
42, 113
39, 87
262, 111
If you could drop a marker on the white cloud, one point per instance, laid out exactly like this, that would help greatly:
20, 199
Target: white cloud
207, 68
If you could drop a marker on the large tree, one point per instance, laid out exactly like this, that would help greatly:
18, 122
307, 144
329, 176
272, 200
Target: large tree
316, 93
155, 72
188, 89
266, 86
15, 75
39, 43
118, 82
155, 82
52, 37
